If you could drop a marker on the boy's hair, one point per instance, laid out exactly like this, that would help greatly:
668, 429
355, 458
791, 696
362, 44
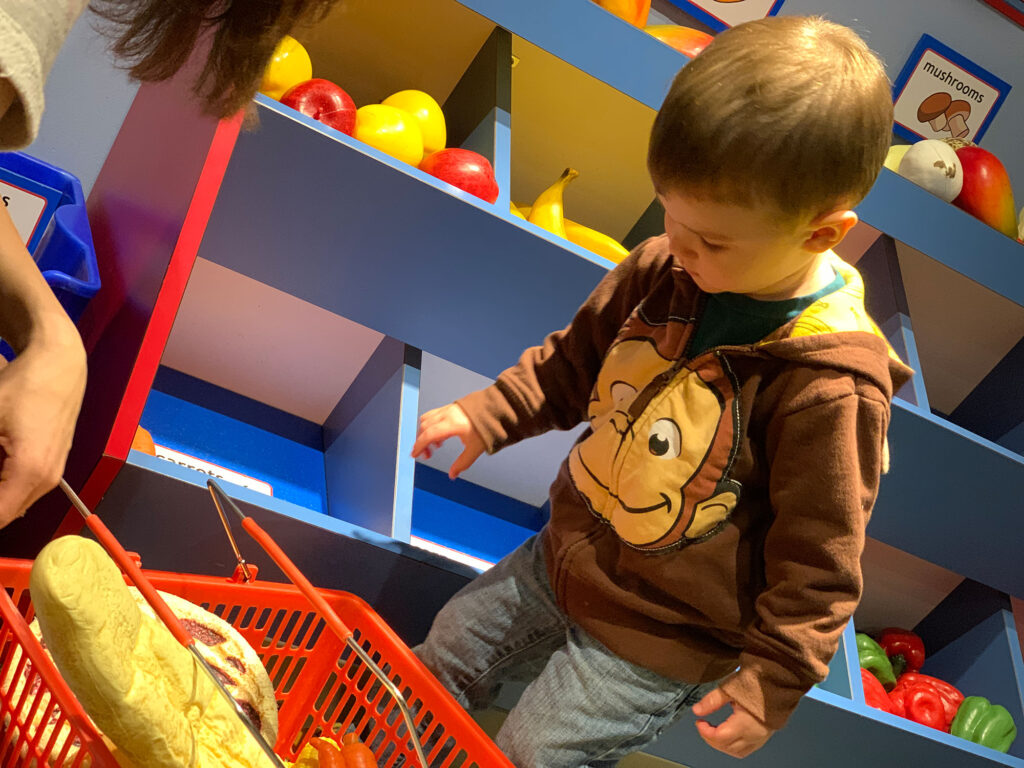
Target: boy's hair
156, 38
790, 111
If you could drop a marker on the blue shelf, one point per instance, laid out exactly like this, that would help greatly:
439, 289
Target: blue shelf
952, 498
590, 38
390, 247
164, 513
433, 283
947, 234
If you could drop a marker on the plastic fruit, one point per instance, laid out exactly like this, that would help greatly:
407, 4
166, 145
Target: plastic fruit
324, 101
894, 156
357, 754
391, 130
143, 441
633, 11
933, 164
594, 241
687, 41
986, 192
585, 237
547, 210
289, 66
427, 112
464, 169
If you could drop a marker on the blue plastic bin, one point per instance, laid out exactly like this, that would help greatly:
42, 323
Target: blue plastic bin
65, 255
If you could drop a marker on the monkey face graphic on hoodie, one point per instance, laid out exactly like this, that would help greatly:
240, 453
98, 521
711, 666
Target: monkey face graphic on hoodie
663, 439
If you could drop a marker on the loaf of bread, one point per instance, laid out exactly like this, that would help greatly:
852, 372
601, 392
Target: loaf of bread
146, 692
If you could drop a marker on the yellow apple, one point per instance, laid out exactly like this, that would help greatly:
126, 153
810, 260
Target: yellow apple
391, 130
290, 65
427, 113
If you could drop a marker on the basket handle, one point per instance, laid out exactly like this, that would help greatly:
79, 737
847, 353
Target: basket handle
129, 567
312, 594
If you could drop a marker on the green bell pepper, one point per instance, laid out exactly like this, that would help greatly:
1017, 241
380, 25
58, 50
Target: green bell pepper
985, 723
875, 660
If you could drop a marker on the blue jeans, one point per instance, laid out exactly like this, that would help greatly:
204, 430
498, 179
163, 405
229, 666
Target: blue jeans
583, 705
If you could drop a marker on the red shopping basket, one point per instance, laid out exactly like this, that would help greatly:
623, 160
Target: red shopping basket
322, 686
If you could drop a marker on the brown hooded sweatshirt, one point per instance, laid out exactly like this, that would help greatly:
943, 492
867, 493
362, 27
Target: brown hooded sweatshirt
713, 515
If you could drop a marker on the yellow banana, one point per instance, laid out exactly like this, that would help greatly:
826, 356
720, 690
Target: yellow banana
598, 242
546, 211
585, 237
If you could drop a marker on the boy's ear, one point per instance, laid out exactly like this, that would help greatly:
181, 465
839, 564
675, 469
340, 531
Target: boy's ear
828, 230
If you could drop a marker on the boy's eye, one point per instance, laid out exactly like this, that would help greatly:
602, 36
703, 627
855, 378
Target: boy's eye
712, 246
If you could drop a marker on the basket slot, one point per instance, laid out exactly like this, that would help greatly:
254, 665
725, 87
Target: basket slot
290, 684
282, 670
303, 629
247, 618
264, 617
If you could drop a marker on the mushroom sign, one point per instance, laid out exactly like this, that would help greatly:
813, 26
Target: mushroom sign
940, 94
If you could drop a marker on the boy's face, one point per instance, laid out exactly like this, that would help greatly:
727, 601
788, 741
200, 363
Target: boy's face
730, 248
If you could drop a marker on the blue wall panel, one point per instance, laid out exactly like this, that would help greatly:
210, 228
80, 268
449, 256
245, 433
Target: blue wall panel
294, 470
464, 528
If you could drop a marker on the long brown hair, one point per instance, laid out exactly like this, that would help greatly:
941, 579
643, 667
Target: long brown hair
156, 37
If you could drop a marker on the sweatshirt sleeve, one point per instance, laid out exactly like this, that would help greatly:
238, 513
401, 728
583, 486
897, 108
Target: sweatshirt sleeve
550, 386
812, 549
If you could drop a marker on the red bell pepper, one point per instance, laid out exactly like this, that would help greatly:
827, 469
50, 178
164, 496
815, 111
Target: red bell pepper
926, 700
904, 649
874, 692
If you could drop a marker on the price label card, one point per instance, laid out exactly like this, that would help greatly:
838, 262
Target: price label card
942, 94
30, 205
213, 470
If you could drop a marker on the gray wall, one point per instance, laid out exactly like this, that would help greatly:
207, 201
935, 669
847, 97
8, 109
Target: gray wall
87, 98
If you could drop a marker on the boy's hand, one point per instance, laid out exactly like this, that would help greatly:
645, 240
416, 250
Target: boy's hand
740, 734
438, 425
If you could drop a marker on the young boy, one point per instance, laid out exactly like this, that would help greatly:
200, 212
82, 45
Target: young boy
706, 530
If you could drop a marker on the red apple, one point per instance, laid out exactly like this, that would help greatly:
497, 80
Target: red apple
464, 169
687, 41
986, 193
324, 101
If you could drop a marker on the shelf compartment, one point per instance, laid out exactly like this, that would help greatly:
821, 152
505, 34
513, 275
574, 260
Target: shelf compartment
422, 282
213, 425
429, 282
951, 498
468, 518
639, 66
590, 38
831, 729
164, 512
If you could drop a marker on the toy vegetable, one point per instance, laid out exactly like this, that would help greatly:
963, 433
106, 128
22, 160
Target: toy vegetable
874, 694
985, 723
873, 658
926, 700
920, 703
904, 649
328, 755
357, 754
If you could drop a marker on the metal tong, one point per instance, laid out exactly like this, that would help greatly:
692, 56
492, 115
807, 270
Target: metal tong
221, 500
128, 566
